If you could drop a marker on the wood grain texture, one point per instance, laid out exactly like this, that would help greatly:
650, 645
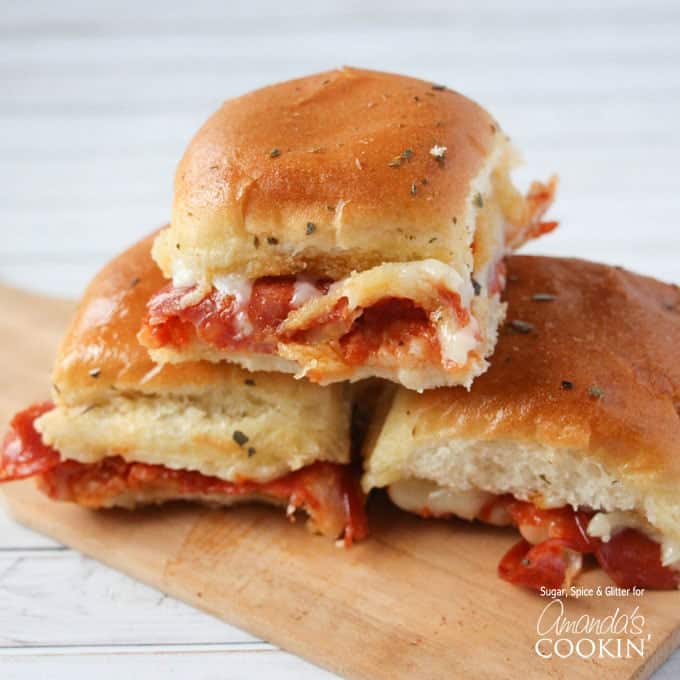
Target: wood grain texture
420, 599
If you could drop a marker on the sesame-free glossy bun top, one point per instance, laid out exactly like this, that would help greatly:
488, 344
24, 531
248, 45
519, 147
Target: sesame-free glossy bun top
331, 173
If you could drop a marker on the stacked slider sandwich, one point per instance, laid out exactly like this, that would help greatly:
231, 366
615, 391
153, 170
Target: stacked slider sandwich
354, 225
572, 436
341, 226
345, 225
123, 431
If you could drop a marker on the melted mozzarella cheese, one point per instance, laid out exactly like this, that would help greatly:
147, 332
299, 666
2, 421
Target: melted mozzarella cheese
428, 498
574, 566
605, 524
456, 343
303, 291
182, 276
235, 285
240, 288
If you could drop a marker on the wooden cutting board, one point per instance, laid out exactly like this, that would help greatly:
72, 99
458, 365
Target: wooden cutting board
419, 600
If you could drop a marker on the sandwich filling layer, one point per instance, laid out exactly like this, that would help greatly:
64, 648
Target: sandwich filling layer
394, 318
555, 539
327, 492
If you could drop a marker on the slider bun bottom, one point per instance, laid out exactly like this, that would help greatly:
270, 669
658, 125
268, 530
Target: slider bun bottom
546, 476
533, 425
196, 431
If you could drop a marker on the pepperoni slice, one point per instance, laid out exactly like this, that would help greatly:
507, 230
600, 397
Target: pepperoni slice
23, 453
632, 559
561, 523
530, 566
217, 319
331, 494
390, 324
270, 302
328, 492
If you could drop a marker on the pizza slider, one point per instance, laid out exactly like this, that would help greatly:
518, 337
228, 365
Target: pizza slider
572, 436
123, 431
345, 225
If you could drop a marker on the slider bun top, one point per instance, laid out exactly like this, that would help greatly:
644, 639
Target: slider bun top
328, 174
593, 373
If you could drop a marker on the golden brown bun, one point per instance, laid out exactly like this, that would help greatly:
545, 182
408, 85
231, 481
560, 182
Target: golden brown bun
349, 152
582, 400
113, 400
100, 355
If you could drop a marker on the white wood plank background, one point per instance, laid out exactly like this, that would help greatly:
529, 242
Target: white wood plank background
97, 101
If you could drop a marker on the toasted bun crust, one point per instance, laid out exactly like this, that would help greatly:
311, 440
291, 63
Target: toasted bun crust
592, 383
100, 356
347, 151
113, 400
